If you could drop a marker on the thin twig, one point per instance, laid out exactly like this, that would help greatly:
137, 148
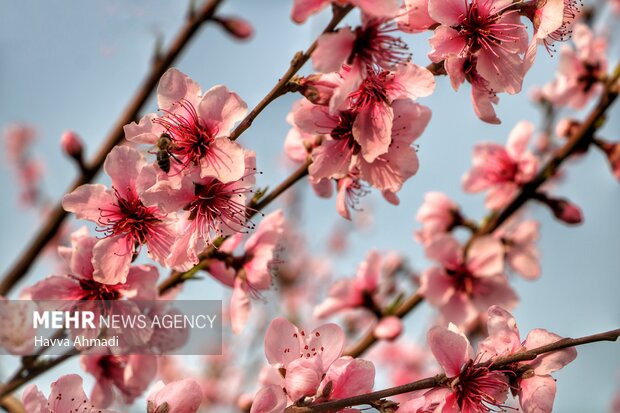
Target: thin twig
56, 217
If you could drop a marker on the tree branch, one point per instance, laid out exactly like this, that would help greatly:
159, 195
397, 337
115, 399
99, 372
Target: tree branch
441, 379
116, 136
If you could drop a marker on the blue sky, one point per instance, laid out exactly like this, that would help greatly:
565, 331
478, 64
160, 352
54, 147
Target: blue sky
71, 64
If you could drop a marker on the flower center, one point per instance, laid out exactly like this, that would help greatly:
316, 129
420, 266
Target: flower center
374, 45
479, 389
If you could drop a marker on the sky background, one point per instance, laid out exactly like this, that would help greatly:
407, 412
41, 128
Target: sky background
74, 64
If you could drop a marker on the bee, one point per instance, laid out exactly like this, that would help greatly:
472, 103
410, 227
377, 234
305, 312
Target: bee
164, 148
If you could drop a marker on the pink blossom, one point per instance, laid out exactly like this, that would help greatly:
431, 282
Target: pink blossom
471, 388
129, 375
489, 30
302, 9
249, 273
579, 75
519, 240
388, 328
212, 208
67, 396
18, 140
438, 214
367, 46
501, 170
123, 218
197, 124
463, 287
183, 396
536, 387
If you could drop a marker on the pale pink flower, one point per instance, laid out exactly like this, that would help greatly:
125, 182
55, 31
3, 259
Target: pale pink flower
406, 361
536, 387
471, 388
183, 396
197, 124
368, 46
213, 208
521, 253
581, 70
125, 221
490, 30
249, 273
438, 214
129, 375
502, 170
18, 140
66, 396
302, 9
463, 287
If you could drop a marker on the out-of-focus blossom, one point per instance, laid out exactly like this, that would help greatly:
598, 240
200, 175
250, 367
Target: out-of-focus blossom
502, 170
249, 273
438, 214
463, 287
236, 26
521, 253
129, 375
581, 70
16, 331
66, 396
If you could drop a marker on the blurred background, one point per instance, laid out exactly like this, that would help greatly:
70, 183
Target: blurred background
74, 64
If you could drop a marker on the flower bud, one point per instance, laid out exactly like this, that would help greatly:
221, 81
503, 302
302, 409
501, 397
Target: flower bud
566, 211
71, 144
612, 150
237, 27
566, 127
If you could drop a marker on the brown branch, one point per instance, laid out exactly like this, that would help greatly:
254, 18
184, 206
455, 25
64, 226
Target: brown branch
282, 86
116, 136
441, 379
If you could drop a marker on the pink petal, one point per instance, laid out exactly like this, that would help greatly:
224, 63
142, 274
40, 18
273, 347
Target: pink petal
447, 12
87, 200
331, 338
389, 172
270, 399
384, 8
519, 138
34, 401
417, 82
183, 396
410, 121
333, 50
145, 131
389, 328
227, 162
341, 296
281, 343
437, 287
302, 9
303, 377
239, 306
331, 160
501, 195
221, 108
349, 377
111, 258
525, 260
483, 102
536, 394
446, 42
446, 250
503, 333
548, 362
123, 164
485, 258
414, 18
372, 129
174, 86
451, 349
504, 72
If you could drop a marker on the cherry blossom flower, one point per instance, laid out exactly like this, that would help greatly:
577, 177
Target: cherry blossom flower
123, 218
302, 9
212, 208
18, 140
536, 387
490, 30
197, 124
309, 365
249, 273
414, 17
368, 46
67, 396
579, 75
129, 375
183, 396
501, 170
463, 287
